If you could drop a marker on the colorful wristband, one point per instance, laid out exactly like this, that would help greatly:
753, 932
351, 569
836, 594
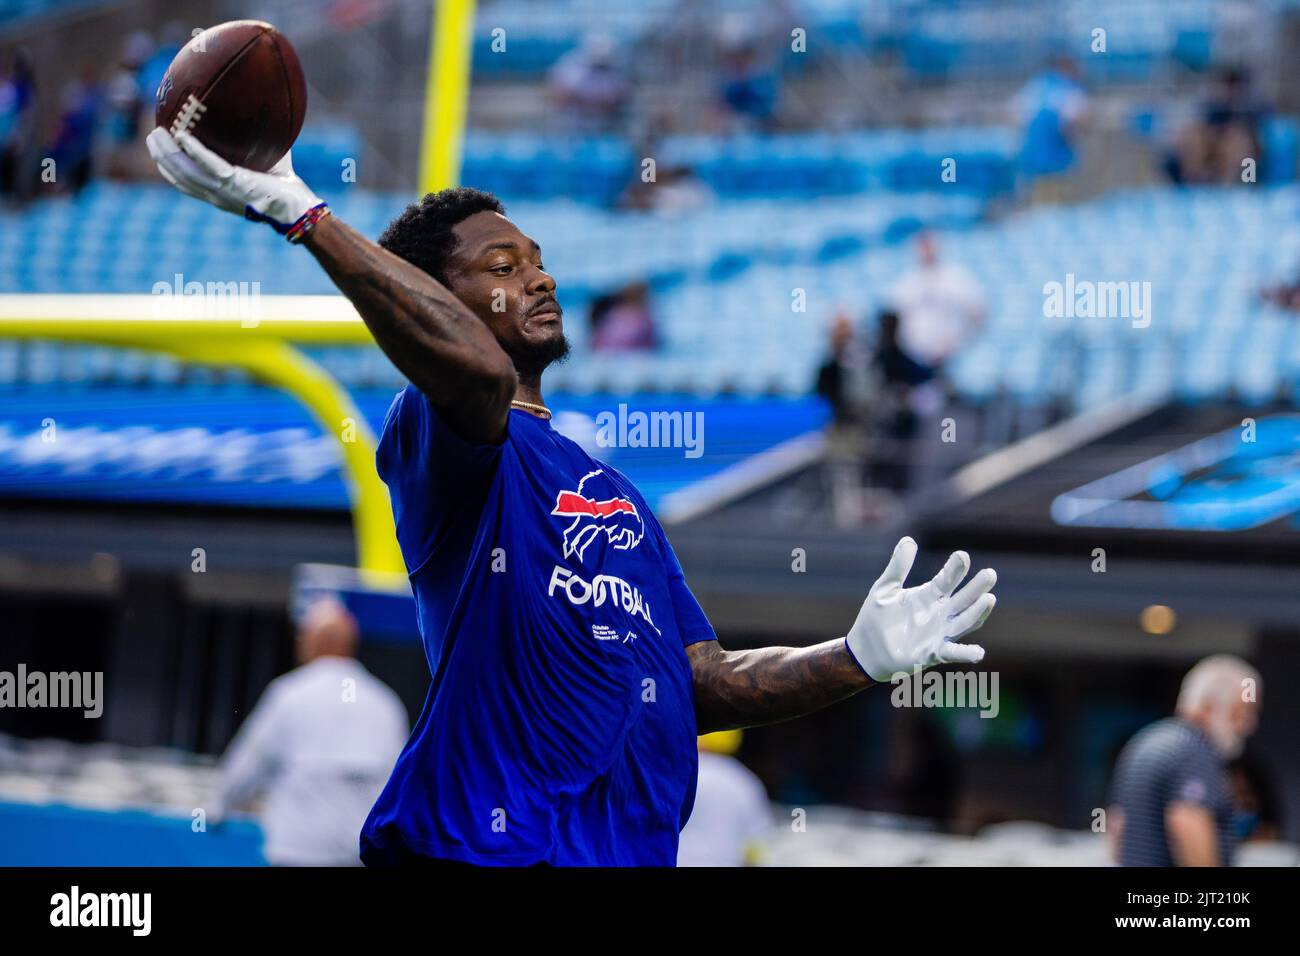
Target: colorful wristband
307, 222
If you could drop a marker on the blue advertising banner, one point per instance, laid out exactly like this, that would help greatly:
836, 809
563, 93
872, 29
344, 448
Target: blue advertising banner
248, 446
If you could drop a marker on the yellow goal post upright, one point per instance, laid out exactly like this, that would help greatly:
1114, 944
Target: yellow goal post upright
265, 345
446, 93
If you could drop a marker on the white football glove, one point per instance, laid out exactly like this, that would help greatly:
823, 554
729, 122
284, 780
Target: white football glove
900, 629
277, 196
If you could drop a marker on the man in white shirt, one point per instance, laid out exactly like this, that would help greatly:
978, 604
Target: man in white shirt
940, 305
318, 747
732, 813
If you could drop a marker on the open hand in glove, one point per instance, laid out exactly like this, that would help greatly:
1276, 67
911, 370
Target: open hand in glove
277, 196
901, 629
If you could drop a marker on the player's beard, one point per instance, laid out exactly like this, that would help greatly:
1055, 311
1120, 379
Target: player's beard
533, 358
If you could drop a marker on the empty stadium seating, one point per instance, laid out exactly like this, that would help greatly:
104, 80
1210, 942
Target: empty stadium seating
728, 273
596, 169
951, 39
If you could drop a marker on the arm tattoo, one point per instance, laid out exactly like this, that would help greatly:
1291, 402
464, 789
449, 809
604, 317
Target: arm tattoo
747, 688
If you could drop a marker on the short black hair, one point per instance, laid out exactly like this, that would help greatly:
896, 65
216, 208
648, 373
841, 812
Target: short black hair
422, 233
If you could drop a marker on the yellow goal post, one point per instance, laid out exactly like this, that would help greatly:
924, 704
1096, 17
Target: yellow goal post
264, 341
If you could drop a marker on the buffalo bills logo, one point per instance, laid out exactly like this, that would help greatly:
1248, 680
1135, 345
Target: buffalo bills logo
165, 87
594, 514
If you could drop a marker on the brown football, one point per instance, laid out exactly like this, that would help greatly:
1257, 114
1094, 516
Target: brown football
249, 93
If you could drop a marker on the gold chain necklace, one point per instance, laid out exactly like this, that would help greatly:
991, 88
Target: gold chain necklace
530, 406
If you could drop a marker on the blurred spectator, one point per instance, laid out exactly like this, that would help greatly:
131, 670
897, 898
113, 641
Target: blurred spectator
1211, 149
940, 306
622, 321
1285, 295
675, 188
679, 189
843, 381
1171, 802
74, 136
1257, 809
731, 814
842, 378
319, 745
898, 370
123, 154
17, 123
747, 86
589, 86
1049, 110
897, 419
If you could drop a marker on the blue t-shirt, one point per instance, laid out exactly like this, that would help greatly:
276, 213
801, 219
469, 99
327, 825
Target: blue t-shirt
560, 724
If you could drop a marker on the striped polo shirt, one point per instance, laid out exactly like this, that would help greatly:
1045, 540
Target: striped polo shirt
1170, 761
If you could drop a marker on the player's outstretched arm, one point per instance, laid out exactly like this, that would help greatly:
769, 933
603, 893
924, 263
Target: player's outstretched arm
429, 334
746, 688
898, 631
